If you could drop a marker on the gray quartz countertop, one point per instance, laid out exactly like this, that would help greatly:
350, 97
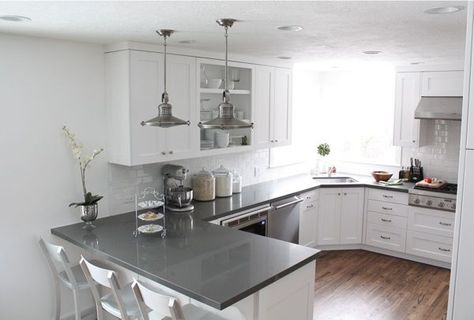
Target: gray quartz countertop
215, 265
262, 193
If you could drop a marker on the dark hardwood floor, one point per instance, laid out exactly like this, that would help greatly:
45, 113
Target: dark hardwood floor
360, 285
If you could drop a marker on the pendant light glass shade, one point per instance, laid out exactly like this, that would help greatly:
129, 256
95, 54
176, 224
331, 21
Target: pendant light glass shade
225, 119
165, 118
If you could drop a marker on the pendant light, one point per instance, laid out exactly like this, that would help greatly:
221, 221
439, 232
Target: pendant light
226, 119
165, 117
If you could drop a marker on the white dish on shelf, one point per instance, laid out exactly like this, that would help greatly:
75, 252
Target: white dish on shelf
149, 204
214, 83
150, 216
150, 228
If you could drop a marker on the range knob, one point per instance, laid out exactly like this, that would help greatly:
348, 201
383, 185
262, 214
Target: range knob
429, 203
441, 205
417, 201
453, 206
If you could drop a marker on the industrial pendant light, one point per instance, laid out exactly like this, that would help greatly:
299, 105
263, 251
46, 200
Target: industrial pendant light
226, 119
165, 118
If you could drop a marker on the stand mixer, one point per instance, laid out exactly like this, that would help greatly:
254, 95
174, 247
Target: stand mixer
178, 197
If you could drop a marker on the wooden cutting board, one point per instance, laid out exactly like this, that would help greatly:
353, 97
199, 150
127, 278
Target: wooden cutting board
434, 185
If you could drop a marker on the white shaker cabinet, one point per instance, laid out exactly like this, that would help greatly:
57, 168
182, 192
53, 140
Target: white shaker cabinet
308, 218
407, 97
272, 107
442, 83
340, 216
134, 84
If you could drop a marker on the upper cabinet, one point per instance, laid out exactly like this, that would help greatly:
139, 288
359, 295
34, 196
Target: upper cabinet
272, 107
442, 83
407, 96
134, 84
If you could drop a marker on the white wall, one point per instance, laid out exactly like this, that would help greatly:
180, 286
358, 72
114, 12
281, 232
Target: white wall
43, 85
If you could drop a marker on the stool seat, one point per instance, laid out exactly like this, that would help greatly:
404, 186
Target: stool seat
109, 303
78, 275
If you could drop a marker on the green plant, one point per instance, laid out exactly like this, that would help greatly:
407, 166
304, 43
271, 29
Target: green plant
324, 149
84, 162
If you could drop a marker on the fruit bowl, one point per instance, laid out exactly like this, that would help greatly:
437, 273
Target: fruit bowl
381, 175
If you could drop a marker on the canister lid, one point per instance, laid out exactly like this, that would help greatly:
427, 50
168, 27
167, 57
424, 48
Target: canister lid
221, 171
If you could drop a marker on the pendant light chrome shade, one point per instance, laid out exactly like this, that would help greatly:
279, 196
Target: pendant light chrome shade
165, 117
225, 119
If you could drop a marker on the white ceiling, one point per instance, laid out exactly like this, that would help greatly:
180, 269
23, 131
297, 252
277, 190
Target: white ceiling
333, 31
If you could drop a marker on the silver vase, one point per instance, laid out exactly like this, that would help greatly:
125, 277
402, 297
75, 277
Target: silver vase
88, 214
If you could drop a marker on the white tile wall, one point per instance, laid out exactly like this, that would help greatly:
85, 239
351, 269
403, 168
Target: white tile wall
123, 181
440, 153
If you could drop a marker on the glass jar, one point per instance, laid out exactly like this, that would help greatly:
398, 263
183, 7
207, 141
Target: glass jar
223, 182
204, 185
236, 182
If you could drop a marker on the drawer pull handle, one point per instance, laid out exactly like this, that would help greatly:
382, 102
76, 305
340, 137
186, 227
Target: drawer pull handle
386, 220
444, 250
386, 208
387, 197
310, 206
445, 224
385, 238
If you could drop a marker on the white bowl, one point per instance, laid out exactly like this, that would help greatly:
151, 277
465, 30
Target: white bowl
214, 83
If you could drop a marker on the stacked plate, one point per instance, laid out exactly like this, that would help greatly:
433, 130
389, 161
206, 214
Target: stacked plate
207, 144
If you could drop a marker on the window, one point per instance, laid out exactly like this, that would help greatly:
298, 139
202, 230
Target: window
355, 114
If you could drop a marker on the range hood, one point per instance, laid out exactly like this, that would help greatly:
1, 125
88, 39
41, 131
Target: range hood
439, 108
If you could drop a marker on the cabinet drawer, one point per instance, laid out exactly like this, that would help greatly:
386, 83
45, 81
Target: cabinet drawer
442, 83
431, 221
388, 196
429, 246
388, 207
387, 220
386, 237
310, 196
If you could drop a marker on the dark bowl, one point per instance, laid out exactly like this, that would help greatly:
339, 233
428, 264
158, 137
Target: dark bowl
381, 175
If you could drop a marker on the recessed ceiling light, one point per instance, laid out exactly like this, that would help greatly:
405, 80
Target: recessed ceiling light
444, 10
187, 41
284, 57
13, 18
290, 28
371, 52
416, 62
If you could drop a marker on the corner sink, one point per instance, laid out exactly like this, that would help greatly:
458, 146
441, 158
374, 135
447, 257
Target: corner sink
335, 180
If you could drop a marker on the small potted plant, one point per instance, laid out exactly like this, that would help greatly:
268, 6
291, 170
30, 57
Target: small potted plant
89, 207
323, 151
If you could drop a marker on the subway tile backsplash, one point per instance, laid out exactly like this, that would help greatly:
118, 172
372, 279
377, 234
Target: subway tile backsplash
439, 152
252, 166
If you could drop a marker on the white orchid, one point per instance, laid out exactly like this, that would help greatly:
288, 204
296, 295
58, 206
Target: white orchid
84, 162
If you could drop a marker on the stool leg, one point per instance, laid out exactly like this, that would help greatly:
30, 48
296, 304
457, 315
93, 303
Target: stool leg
57, 300
76, 304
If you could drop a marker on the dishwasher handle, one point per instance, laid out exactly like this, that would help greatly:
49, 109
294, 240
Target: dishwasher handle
281, 206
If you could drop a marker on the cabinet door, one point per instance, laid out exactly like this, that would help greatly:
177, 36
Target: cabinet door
181, 87
407, 96
281, 111
442, 84
308, 221
146, 86
329, 216
262, 106
352, 211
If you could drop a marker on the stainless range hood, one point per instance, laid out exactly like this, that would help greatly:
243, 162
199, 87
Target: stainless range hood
439, 108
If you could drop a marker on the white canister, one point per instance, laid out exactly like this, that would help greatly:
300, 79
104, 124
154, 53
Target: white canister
223, 182
236, 182
222, 138
204, 186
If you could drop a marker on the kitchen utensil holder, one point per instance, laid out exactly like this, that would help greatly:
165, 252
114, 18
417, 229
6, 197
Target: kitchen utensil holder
416, 174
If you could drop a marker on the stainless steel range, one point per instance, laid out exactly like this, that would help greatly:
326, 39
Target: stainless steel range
443, 198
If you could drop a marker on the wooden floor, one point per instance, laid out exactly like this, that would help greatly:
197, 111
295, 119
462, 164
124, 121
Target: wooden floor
359, 285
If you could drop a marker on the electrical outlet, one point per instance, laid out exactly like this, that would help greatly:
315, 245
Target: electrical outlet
257, 171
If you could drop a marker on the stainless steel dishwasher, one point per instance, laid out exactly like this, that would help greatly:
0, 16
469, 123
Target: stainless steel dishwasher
284, 219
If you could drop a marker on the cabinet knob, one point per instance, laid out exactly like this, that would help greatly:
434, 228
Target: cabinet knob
338, 193
171, 152
272, 141
414, 141
163, 153
345, 193
276, 140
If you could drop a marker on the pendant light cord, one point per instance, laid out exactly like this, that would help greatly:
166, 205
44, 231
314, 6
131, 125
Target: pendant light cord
164, 98
226, 58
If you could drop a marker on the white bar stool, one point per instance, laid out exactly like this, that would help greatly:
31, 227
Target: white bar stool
71, 276
154, 305
119, 302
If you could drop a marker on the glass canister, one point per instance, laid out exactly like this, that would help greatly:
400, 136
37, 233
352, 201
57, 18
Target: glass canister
236, 182
223, 182
204, 185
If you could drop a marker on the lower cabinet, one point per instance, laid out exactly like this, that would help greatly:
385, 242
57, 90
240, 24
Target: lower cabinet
386, 237
340, 216
429, 246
